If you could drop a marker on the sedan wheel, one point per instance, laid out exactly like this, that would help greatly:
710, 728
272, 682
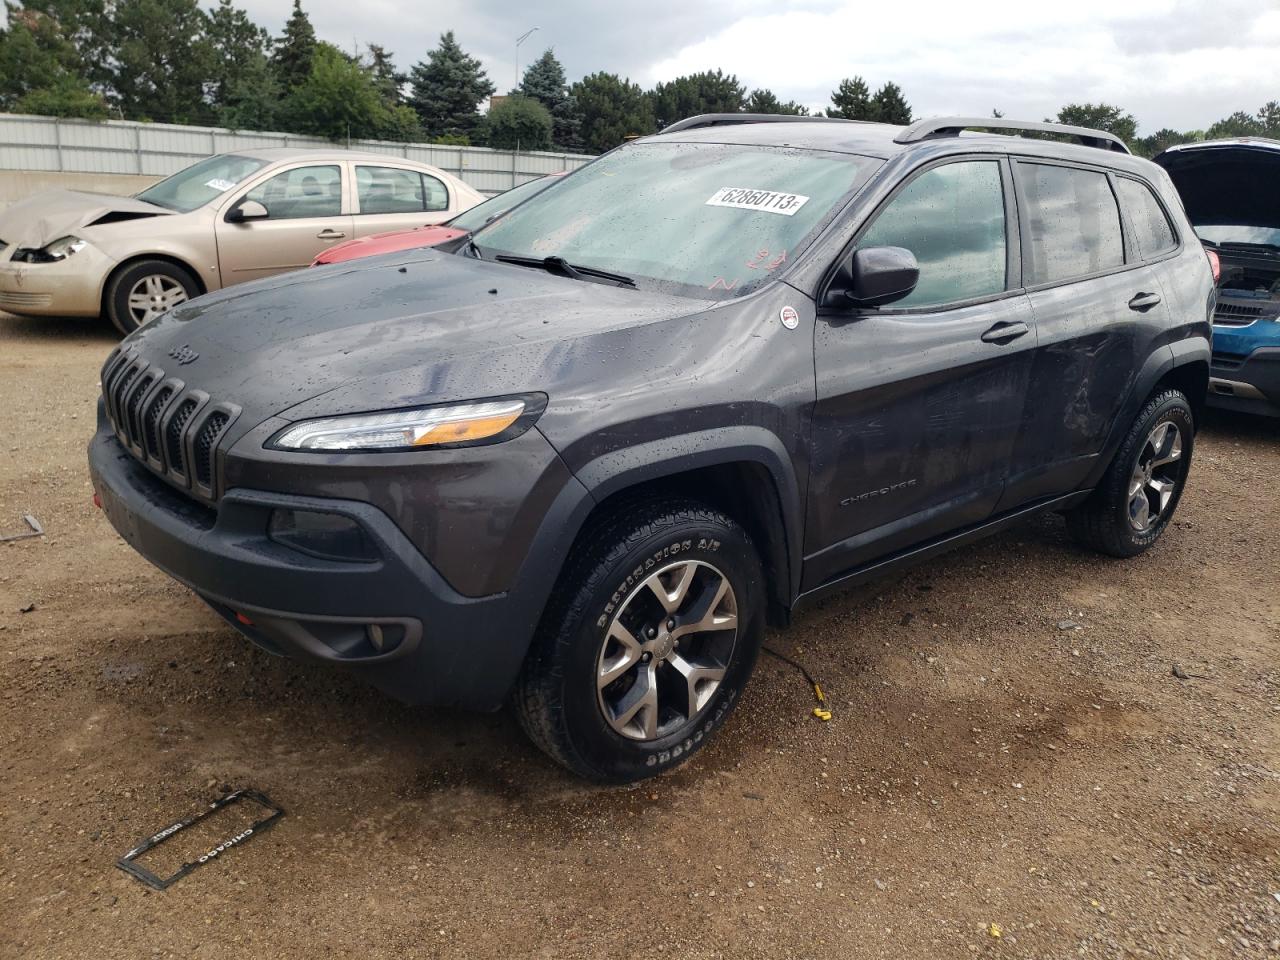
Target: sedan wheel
153, 295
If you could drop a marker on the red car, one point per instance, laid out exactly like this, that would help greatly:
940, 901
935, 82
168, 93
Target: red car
436, 233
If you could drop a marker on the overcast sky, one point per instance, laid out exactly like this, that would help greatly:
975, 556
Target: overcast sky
1176, 63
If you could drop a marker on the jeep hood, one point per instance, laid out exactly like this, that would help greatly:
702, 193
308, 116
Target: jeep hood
54, 214
391, 331
1232, 182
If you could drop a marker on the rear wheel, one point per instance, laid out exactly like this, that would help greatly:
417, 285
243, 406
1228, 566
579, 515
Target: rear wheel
144, 290
647, 644
1139, 492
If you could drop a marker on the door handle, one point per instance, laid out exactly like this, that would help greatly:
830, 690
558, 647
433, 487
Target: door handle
1005, 332
328, 234
1143, 302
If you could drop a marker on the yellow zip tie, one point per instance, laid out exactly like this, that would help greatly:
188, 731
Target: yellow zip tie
821, 711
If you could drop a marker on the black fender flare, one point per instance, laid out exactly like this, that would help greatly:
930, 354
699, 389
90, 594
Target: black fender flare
634, 466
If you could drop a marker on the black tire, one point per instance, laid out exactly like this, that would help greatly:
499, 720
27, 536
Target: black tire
557, 698
124, 281
1103, 522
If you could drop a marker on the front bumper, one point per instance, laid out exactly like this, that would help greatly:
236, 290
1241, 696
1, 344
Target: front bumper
1245, 372
69, 288
450, 649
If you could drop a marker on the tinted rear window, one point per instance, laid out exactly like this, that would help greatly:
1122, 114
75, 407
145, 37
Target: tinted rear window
1151, 229
1073, 220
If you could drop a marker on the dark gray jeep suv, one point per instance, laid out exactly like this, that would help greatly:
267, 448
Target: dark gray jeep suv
578, 461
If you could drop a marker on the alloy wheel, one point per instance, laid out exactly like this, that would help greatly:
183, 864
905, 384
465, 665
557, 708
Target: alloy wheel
1155, 477
666, 650
153, 295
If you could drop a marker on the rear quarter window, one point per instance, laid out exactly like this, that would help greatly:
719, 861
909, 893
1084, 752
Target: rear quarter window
1073, 223
1152, 231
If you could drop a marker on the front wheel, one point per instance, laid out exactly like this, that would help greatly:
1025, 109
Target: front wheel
144, 290
1139, 492
647, 643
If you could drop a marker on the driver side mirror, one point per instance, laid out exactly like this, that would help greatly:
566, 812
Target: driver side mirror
877, 276
247, 210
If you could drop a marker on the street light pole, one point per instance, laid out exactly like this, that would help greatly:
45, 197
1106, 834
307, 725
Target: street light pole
519, 40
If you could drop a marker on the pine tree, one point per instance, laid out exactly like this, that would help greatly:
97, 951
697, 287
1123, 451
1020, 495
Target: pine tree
162, 60
709, 92
447, 88
851, 100
386, 77
613, 109
766, 101
544, 81
239, 48
890, 106
295, 49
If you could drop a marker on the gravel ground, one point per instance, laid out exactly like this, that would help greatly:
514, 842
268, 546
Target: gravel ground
1013, 768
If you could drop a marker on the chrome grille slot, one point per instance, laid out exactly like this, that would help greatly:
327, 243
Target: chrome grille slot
1235, 314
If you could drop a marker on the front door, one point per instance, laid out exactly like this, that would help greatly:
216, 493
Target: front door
304, 216
918, 402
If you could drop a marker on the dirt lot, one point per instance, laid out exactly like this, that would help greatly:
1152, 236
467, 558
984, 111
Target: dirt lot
1009, 746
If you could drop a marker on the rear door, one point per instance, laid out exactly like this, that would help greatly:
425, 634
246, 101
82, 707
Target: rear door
1098, 310
305, 215
398, 198
918, 402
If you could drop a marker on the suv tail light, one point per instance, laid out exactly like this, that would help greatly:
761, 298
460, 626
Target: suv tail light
1215, 264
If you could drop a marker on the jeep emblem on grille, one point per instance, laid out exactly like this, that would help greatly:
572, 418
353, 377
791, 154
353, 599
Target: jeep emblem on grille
183, 354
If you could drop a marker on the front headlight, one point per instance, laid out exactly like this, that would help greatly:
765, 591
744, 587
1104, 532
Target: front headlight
59, 249
463, 423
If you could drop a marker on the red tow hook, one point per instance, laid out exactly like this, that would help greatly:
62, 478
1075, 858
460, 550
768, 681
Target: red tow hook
97, 500
243, 619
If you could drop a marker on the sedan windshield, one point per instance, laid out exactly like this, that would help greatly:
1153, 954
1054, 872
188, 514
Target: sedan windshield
698, 219
198, 184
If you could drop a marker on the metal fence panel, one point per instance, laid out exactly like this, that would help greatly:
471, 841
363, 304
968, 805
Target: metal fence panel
159, 149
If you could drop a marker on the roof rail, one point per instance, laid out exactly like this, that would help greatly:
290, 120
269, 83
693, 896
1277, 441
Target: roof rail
724, 119
952, 126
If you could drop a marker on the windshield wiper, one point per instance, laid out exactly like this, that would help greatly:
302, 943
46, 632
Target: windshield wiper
563, 267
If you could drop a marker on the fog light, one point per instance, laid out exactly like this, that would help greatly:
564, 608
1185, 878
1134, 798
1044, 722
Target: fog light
329, 536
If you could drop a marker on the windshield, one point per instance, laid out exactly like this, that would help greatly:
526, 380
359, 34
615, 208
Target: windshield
1224, 233
198, 184
699, 219
494, 207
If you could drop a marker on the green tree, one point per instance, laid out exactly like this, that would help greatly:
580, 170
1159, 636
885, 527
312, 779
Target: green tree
162, 60
519, 123
765, 101
447, 90
1269, 119
41, 53
1163, 139
389, 81
254, 99
338, 100
707, 92
544, 81
613, 109
68, 96
890, 106
1099, 116
295, 49
240, 48
851, 100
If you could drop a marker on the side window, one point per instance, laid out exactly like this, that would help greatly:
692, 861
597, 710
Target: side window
952, 218
1151, 229
1073, 220
301, 192
392, 190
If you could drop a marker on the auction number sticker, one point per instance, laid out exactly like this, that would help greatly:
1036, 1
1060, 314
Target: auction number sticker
217, 183
768, 201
